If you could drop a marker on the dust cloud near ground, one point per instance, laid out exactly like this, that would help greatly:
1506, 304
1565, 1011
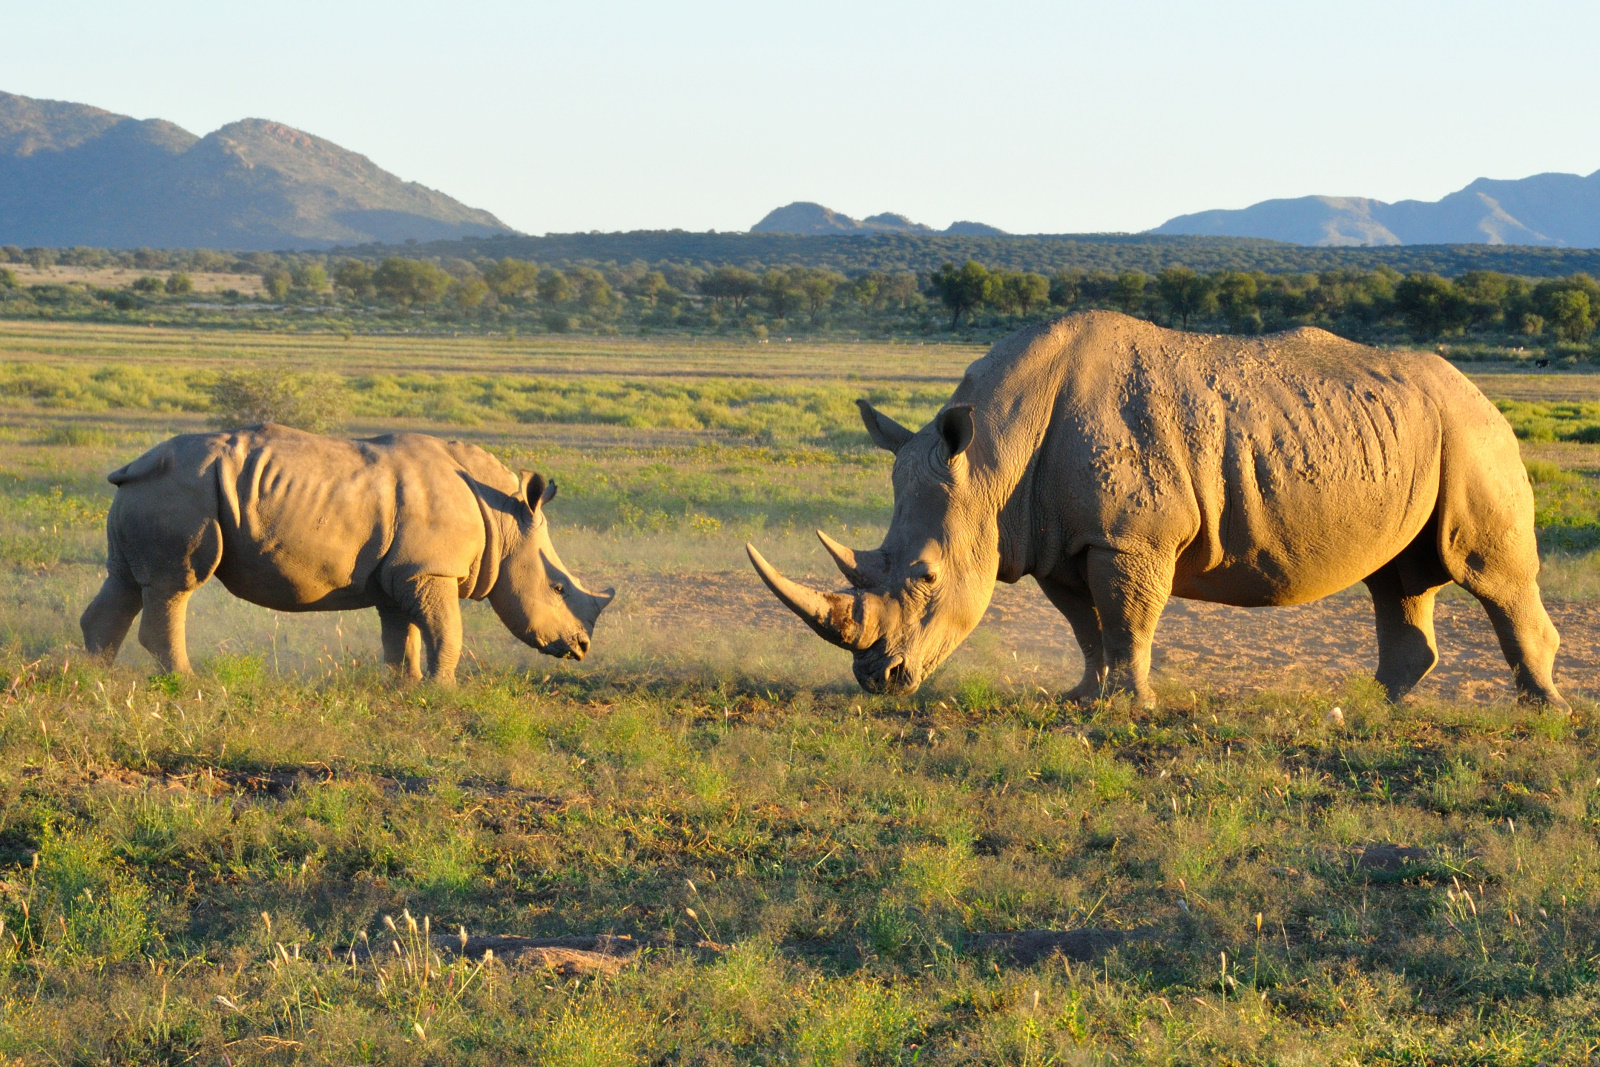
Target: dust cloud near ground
1316, 645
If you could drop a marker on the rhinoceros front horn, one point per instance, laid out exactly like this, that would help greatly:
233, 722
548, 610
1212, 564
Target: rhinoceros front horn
834, 616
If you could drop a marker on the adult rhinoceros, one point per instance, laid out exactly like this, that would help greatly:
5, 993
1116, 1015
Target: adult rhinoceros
406, 523
1120, 464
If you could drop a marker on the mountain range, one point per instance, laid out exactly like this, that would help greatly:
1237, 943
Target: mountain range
808, 219
71, 174
1560, 210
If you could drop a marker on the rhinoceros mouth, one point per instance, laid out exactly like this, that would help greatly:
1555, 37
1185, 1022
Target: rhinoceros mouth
878, 672
574, 648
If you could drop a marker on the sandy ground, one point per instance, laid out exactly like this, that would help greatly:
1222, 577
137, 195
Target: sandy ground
1233, 649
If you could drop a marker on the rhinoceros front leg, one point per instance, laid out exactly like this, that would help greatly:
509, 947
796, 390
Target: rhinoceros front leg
1129, 591
163, 630
434, 604
402, 642
1073, 601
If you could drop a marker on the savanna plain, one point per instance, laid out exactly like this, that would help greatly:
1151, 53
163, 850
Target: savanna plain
290, 857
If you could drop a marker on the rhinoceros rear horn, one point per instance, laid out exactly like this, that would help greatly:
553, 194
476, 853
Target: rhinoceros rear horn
864, 570
847, 621
884, 431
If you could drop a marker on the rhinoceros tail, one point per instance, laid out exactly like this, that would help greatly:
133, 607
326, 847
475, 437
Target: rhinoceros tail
152, 464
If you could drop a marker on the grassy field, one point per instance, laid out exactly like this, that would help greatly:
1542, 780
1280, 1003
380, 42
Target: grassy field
205, 870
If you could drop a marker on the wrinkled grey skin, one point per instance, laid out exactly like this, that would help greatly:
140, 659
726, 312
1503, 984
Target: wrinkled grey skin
293, 521
1120, 463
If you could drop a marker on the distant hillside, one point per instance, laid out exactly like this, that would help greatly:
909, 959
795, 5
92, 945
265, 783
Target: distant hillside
1046, 253
1559, 210
807, 219
71, 174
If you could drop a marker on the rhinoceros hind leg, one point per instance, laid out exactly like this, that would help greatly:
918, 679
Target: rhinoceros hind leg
1078, 606
402, 643
1129, 590
1528, 638
434, 604
106, 620
1406, 647
163, 631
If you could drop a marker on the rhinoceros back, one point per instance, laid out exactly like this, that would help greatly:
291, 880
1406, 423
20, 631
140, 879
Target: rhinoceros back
1280, 468
309, 522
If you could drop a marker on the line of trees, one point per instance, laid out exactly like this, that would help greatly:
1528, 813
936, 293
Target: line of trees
1043, 254
1374, 305
1364, 304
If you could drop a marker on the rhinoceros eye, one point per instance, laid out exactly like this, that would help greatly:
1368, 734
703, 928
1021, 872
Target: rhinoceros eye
921, 571
561, 590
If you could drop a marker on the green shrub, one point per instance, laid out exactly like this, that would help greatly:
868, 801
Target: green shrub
85, 905
77, 436
235, 670
590, 1033
312, 402
1545, 472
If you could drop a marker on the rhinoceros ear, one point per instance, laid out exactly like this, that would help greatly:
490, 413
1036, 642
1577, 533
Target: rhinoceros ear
884, 431
955, 428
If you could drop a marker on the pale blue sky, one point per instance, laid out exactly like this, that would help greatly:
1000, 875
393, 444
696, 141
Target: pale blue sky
1035, 117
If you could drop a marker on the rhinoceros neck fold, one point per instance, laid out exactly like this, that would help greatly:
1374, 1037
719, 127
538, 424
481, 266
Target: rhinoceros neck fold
496, 544
1013, 391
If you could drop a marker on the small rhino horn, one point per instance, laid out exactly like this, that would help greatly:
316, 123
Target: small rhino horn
864, 570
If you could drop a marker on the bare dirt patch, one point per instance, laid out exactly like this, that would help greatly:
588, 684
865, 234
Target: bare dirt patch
1235, 649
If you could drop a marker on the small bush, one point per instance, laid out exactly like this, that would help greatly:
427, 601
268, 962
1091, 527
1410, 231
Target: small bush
89, 906
856, 1022
235, 670
1546, 472
76, 436
315, 403
590, 1033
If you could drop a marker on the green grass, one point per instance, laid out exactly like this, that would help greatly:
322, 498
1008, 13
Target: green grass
782, 410
1560, 421
843, 850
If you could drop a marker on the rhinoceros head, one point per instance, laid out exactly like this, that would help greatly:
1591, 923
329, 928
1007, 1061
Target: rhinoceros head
535, 595
913, 600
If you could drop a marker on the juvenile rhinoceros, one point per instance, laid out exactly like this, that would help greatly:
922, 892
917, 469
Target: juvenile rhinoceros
405, 523
1120, 464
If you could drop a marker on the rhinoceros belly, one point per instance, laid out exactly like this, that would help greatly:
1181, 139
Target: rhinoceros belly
1313, 486
307, 529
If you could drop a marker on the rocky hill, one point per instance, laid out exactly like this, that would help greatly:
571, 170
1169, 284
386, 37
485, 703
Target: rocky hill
808, 219
1557, 210
71, 174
